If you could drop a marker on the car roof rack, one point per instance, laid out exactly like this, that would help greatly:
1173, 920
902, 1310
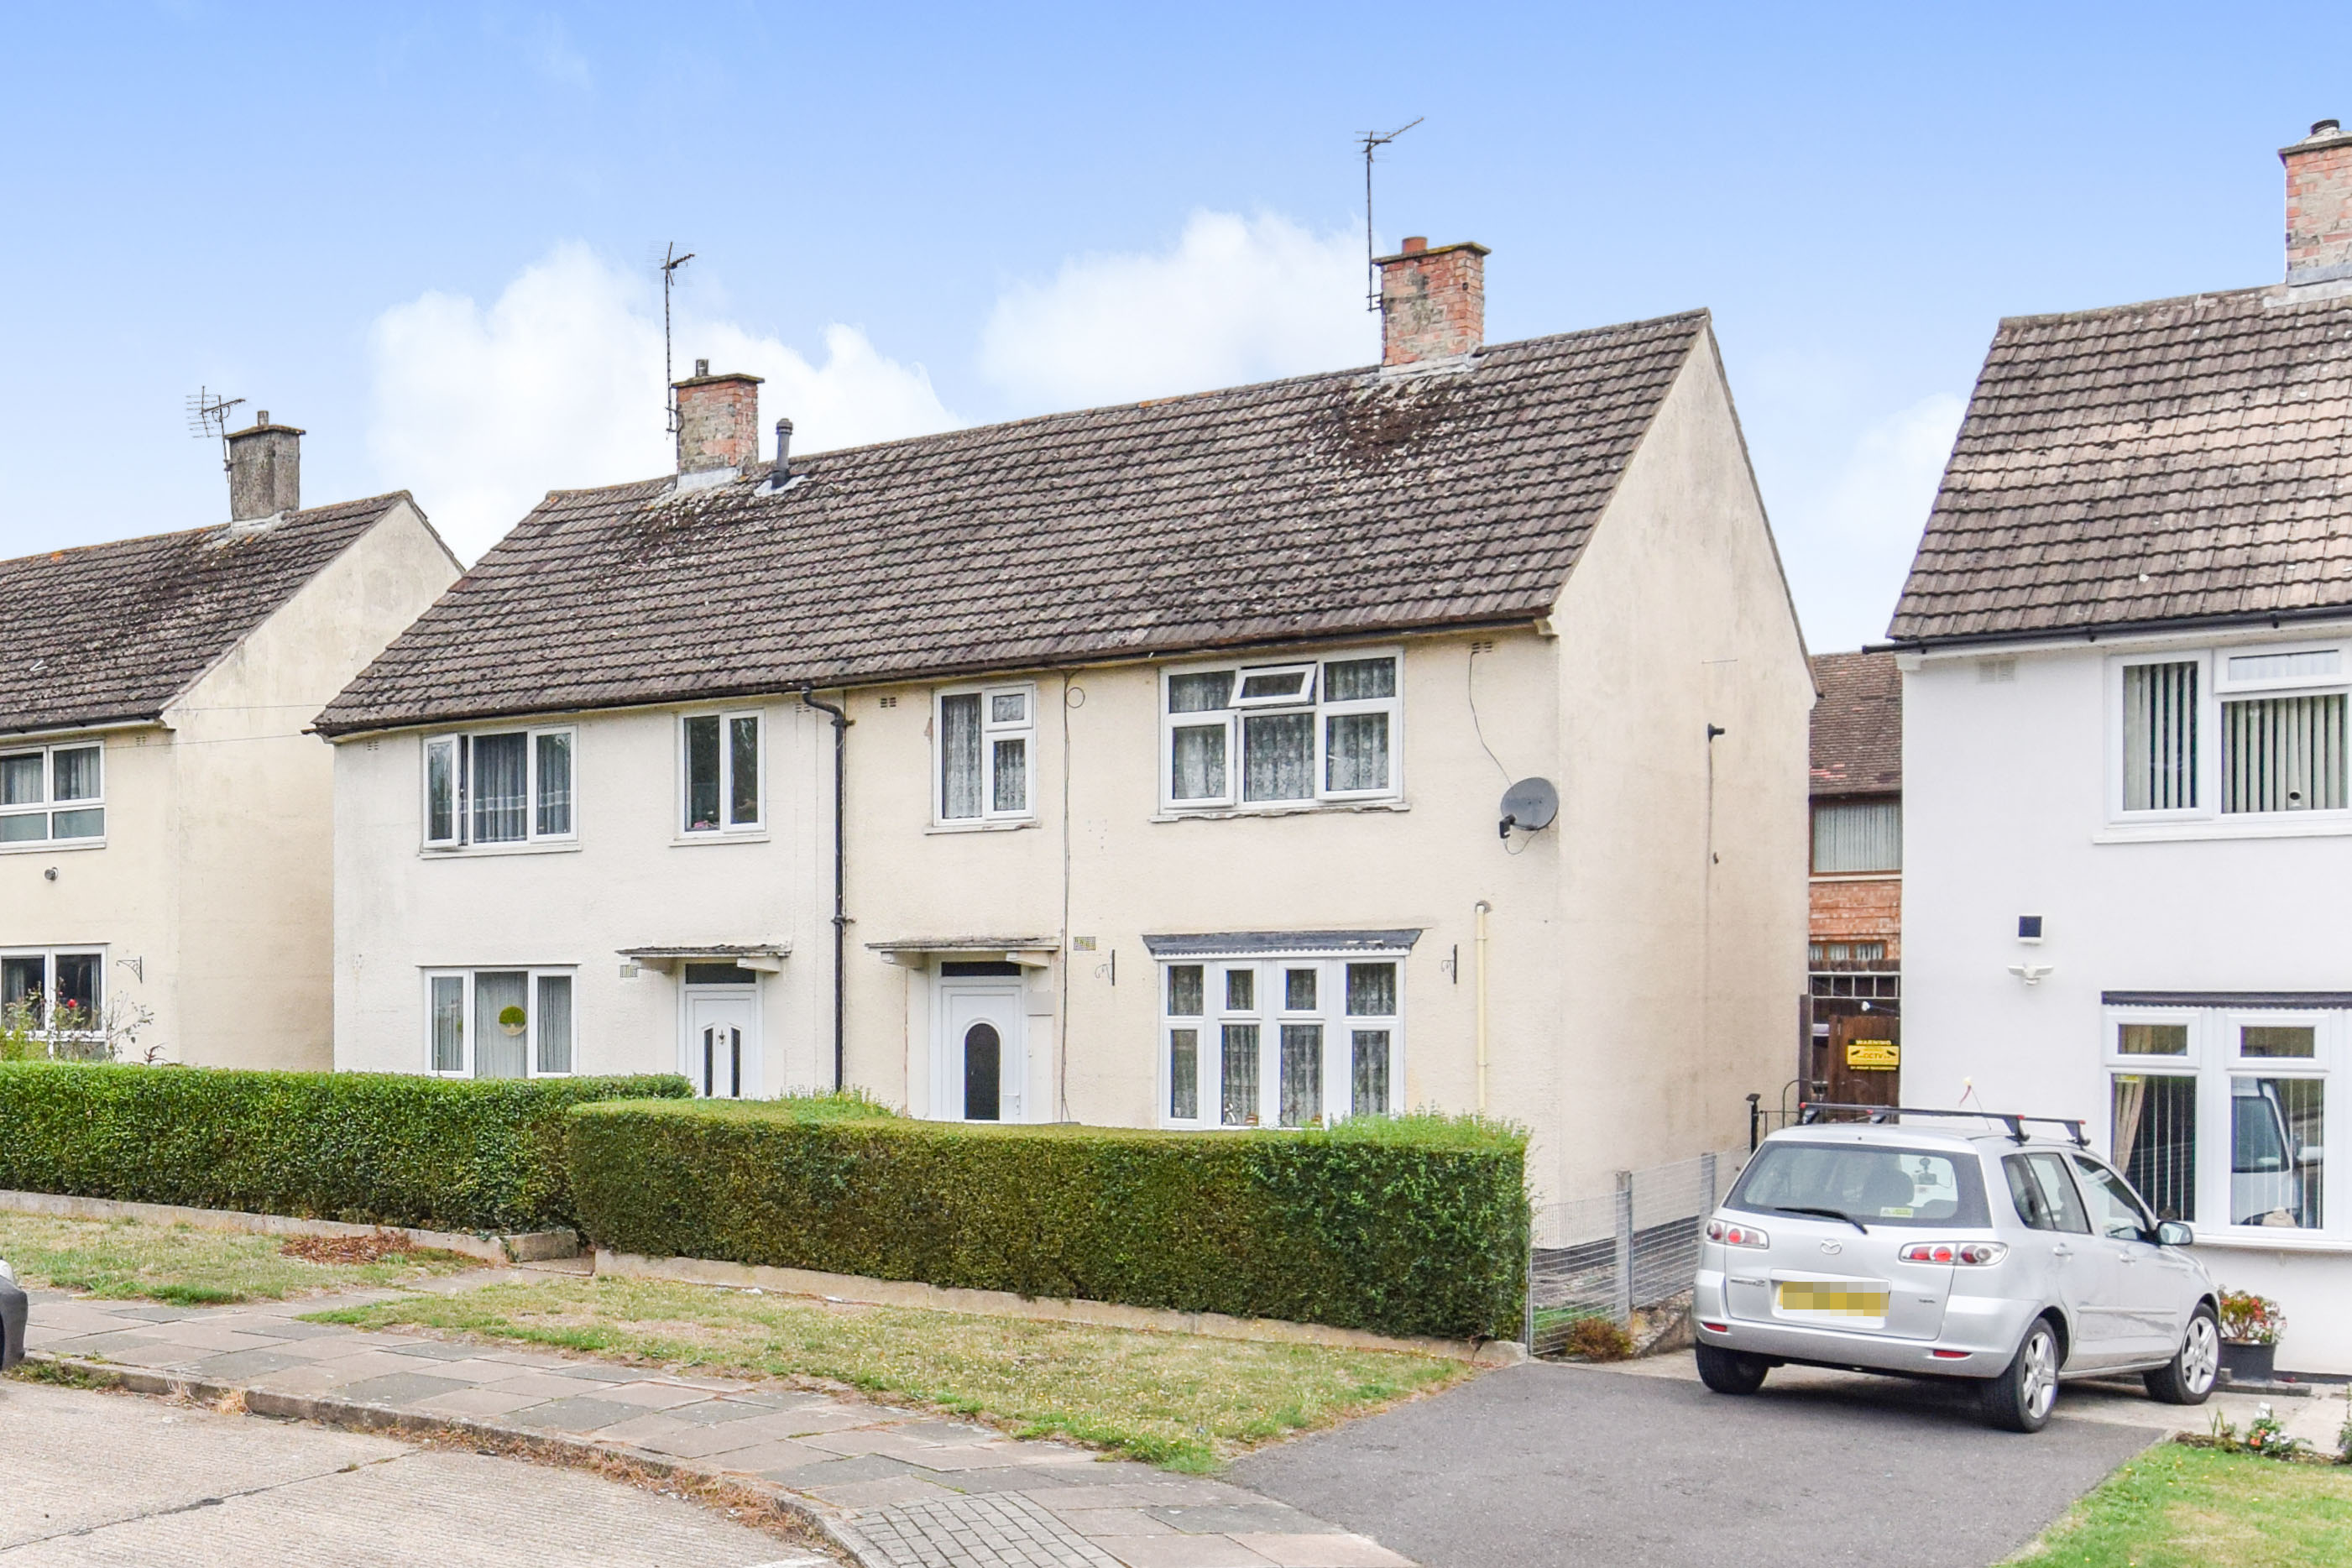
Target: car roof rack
1808, 1115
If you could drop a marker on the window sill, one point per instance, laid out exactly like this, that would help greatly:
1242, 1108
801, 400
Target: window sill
2255, 1239
2298, 824
740, 835
1298, 809
51, 846
983, 825
1894, 875
489, 851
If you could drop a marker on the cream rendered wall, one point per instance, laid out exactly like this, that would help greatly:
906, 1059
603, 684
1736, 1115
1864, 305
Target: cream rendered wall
632, 880
251, 851
1681, 924
118, 894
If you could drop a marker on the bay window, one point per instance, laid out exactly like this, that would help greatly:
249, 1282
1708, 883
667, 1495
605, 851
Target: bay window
984, 754
498, 1022
53, 794
1279, 1042
1260, 736
719, 765
2233, 735
500, 787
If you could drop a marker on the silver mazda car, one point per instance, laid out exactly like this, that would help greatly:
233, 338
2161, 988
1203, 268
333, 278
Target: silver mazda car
1939, 1243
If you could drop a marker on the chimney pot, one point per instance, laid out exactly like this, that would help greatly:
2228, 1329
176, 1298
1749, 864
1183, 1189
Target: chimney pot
1432, 302
783, 450
265, 470
717, 421
2319, 206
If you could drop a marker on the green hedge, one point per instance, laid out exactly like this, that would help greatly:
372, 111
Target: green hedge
376, 1148
1416, 1226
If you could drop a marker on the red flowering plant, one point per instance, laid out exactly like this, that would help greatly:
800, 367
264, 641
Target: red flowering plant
2251, 1320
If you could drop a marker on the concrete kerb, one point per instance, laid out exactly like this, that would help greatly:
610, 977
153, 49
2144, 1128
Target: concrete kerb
525, 1246
868, 1291
359, 1416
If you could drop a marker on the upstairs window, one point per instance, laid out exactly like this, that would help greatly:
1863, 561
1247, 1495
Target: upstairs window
511, 786
1858, 835
721, 761
53, 794
1287, 735
986, 754
2242, 734
2160, 736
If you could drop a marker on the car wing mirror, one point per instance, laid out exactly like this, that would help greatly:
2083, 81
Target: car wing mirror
2172, 1233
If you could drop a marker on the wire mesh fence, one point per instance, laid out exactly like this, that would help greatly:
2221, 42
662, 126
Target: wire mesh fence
1621, 1253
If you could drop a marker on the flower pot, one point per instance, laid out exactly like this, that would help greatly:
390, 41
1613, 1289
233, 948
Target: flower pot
2244, 1361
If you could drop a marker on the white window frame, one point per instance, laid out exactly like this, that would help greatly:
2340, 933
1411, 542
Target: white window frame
1238, 707
2214, 1061
991, 730
49, 807
2215, 689
459, 745
49, 957
727, 826
531, 977
1269, 1012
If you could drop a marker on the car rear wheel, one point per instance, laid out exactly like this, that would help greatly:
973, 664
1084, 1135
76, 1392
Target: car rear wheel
1731, 1371
2190, 1377
2021, 1399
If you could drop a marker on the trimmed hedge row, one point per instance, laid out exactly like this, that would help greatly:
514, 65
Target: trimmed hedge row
375, 1148
1417, 1226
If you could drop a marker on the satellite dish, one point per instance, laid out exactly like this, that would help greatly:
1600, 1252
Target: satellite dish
1529, 806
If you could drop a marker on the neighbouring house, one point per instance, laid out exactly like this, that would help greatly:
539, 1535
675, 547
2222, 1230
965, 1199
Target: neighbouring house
1854, 993
2128, 644
166, 832
1144, 766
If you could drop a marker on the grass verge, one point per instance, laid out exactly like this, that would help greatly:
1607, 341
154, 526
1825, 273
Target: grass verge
2178, 1507
190, 1268
1177, 1400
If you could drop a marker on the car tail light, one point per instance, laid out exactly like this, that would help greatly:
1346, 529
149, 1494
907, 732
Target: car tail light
1967, 1253
1731, 1233
1715, 1328
1951, 1355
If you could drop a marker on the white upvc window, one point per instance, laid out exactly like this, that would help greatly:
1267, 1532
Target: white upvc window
721, 762
1282, 733
1280, 1042
52, 794
496, 787
985, 753
2246, 734
53, 993
2219, 1116
498, 1022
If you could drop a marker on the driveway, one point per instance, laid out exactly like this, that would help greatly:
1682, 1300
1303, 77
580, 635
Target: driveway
1545, 1464
108, 1478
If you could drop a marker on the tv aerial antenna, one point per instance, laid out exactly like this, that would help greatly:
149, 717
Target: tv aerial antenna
1373, 141
208, 416
669, 262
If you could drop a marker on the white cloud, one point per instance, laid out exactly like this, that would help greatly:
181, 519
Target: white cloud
1235, 301
1849, 543
558, 385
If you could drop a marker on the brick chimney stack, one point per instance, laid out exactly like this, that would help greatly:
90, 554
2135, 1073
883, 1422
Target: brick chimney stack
1432, 302
265, 470
717, 421
2319, 206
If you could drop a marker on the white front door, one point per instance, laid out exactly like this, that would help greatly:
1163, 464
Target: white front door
982, 1050
721, 1049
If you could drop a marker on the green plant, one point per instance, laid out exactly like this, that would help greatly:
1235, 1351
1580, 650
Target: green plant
1404, 1226
512, 1018
2251, 1320
378, 1148
2343, 1432
1599, 1338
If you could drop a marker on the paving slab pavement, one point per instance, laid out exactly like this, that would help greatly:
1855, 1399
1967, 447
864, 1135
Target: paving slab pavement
897, 1486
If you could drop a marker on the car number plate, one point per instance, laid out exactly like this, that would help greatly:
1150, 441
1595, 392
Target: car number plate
1835, 1298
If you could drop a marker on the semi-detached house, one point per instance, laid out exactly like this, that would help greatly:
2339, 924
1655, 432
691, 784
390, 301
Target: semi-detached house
1144, 766
165, 820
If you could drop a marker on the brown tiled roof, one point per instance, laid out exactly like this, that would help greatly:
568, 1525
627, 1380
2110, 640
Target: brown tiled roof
108, 633
2182, 459
1333, 505
1857, 724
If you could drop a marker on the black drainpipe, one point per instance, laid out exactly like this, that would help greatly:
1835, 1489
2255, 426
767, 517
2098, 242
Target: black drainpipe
840, 882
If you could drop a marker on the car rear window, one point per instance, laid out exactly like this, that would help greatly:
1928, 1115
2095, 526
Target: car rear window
1875, 1185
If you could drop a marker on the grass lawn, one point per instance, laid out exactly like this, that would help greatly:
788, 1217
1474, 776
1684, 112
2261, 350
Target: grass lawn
2177, 1507
186, 1267
1179, 1400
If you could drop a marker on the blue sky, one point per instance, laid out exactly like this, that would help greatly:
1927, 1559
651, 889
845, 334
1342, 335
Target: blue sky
421, 233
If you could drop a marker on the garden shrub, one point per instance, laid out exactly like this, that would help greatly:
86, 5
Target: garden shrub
1404, 1225
375, 1148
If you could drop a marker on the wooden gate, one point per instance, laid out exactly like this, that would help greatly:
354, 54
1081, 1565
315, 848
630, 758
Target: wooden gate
1863, 1058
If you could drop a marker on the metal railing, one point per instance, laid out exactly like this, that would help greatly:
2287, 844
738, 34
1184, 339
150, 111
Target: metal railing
1622, 1251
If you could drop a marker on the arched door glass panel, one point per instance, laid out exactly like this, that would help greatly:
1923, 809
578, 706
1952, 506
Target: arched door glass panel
983, 1067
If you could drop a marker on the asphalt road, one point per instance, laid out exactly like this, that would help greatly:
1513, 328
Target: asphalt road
1543, 1465
89, 1478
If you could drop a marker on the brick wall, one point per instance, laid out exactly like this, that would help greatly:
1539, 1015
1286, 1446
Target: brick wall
717, 423
2319, 206
1432, 302
1868, 909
